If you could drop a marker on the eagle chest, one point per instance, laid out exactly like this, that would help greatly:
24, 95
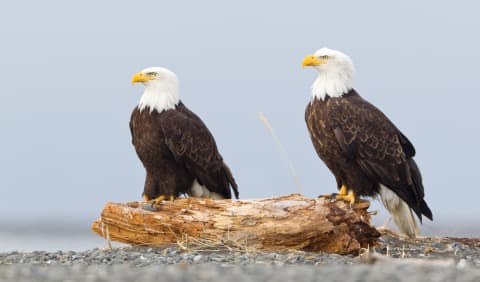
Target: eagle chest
147, 136
321, 132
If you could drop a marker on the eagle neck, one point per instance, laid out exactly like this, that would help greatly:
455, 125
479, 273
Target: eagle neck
160, 97
331, 85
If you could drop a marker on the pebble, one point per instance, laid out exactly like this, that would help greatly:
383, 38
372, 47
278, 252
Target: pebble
197, 258
100, 264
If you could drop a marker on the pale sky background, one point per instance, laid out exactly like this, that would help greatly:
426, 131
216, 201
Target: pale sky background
66, 97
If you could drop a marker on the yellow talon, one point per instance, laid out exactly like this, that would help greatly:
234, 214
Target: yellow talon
341, 193
344, 194
158, 199
349, 197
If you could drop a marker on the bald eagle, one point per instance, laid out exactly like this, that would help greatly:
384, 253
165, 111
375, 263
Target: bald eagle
365, 151
178, 151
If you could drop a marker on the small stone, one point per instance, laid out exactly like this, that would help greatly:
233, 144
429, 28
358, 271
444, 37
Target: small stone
197, 258
272, 256
438, 245
461, 264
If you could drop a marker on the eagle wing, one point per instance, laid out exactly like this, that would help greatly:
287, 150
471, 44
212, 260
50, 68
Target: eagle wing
383, 153
192, 144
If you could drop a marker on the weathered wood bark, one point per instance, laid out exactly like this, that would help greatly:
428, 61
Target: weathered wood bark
290, 222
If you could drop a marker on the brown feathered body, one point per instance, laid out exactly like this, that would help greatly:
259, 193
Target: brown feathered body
364, 149
176, 148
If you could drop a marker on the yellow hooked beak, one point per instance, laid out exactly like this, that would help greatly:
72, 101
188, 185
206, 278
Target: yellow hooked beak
312, 60
141, 77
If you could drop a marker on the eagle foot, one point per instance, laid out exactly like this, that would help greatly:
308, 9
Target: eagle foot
349, 197
158, 199
333, 196
150, 204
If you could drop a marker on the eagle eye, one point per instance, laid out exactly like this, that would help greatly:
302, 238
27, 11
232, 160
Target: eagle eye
324, 57
151, 73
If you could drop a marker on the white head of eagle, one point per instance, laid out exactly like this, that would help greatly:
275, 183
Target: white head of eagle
335, 76
161, 89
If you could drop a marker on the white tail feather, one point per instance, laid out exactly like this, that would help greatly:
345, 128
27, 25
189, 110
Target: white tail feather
201, 191
401, 213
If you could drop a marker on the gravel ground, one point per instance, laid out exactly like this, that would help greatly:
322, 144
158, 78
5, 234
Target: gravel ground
393, 260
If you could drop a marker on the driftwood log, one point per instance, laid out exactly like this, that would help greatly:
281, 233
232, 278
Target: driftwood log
290, 222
